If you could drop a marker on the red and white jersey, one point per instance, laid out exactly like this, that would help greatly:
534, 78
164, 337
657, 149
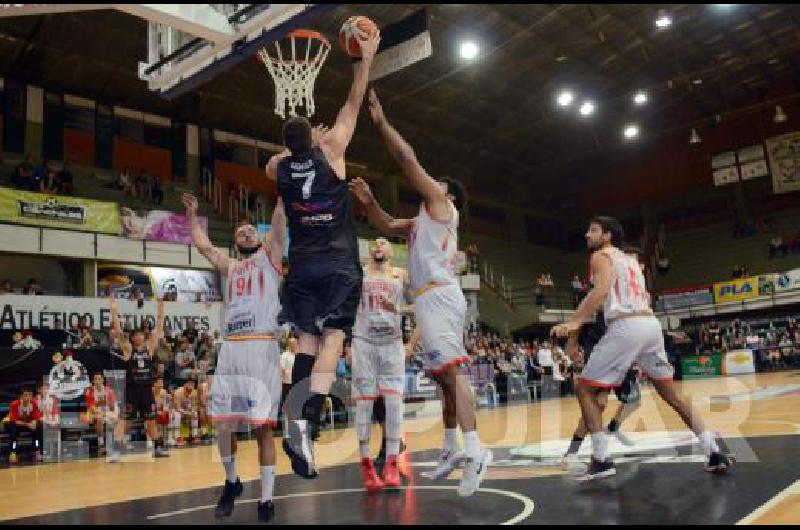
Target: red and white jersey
374, 323
48, 407
628, 294
103, 399
432, 249
252, 303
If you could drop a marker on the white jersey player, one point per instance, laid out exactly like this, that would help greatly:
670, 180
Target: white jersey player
378, 357
633, 335
440, 307
247, 381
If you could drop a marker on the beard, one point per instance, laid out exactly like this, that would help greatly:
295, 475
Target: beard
248, 251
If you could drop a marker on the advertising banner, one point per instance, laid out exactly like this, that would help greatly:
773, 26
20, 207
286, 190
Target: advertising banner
54, 211
736, 290
157, 225
180, 285
739, 362
700, 366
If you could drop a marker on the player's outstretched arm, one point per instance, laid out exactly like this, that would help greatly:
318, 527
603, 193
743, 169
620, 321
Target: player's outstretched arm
402, 152
277, 235
334, 143
378, 217
200, 238
158, 332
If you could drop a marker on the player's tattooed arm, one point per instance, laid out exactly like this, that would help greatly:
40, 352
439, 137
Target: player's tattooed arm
378, 217
200, 239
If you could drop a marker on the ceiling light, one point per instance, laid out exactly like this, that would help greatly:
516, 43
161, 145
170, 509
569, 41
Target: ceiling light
663, 20
631, 131
695, 138
697, 82
780, 116
587, 108
565, 98
469, 50
640, 98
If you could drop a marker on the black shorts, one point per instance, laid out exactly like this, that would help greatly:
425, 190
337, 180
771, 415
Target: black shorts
139, 401
322, 293
590, 335
629, 391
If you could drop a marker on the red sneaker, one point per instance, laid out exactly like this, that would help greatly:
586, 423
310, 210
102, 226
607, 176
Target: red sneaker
180, 442
391, 473
370, 478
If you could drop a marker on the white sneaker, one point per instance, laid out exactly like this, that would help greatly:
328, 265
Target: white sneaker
474, 470
623, 439
449, 459
113, 457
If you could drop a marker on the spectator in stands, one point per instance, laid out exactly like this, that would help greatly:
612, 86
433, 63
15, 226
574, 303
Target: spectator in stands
86, 340
473, 258
101, 407
50, 184
142, 186
124, 182
777, 244
32, 288
65, 180
545, 358
190, 333
186, 361
663, 265
157, 193
40, 175
577, 288
538, 293
6, 288
23, 174
24, 417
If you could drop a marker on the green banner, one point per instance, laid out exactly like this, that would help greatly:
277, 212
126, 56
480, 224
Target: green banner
700, 366
55, 211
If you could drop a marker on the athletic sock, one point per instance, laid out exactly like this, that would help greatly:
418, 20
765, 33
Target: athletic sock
450, 439
472, 443
575, 445
599, 446
267, 483
230, 468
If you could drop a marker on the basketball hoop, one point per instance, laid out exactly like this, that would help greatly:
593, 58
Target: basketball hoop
294, 65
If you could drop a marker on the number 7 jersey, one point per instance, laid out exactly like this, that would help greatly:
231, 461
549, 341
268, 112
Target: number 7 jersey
628, 293
251, 296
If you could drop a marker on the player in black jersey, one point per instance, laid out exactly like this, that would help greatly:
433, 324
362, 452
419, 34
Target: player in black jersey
323, 287
138, 353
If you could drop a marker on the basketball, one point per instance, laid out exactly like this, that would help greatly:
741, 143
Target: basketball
355, 29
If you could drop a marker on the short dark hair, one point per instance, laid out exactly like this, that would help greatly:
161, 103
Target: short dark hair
455, 189
297, 135
609, 225
630, 249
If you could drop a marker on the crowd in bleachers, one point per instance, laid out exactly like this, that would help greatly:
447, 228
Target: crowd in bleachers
42, 178
775, 341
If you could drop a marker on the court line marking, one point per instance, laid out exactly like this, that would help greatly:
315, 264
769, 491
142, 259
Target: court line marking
528, 505
762, 510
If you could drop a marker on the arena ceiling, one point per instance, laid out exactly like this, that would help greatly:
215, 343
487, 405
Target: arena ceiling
492, 122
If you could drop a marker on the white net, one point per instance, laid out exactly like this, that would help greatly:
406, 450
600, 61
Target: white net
294, 63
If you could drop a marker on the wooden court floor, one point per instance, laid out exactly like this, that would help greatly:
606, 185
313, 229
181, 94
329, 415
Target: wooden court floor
763, 405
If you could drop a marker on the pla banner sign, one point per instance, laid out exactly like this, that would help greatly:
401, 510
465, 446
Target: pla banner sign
736, 290
20, 312
53, 211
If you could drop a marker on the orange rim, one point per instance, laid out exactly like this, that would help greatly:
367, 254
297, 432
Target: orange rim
308, 34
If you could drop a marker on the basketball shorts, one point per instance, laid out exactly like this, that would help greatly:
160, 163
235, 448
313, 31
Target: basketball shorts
139, 401
322, 293
378, 369
441, 313
247, 383
628, 340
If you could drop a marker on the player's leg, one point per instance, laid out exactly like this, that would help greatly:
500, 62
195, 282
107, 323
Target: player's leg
266, 461
365, 392
653, 362
581, 431
629, 395
391, 379
297, 439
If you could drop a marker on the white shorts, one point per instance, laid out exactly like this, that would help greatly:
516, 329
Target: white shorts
628, 340
441, 314
247, 383
378, 369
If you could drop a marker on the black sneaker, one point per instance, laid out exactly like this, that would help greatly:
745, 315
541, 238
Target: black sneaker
230, 491
719, 463
266, 511
598, 470
298, 448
